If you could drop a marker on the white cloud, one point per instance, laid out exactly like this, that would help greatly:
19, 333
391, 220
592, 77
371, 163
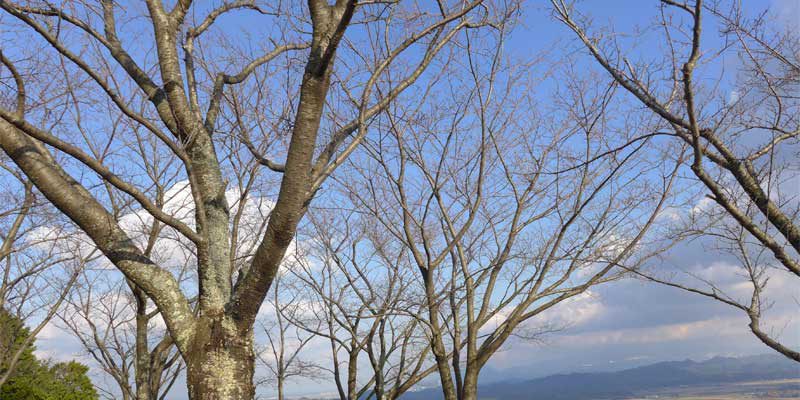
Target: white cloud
733, 96
702, 206
657, 334
576, 311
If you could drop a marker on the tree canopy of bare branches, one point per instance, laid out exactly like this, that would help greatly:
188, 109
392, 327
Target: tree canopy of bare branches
107, 104
743, 132
497, 209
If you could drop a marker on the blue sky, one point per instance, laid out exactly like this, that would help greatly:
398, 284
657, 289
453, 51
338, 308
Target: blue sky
620, 324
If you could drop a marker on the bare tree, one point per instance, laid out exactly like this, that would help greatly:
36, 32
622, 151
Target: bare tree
358, 299
120, 332
498, 209
281, 356
173, 73
743, 134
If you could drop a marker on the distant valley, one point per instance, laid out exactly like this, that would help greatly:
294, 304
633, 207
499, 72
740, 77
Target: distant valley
719, 378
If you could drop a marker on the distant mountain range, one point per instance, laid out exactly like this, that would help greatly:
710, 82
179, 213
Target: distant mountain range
635, 381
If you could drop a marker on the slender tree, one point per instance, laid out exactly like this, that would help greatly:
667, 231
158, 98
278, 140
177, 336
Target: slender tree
121, 333
282, 355
358, 297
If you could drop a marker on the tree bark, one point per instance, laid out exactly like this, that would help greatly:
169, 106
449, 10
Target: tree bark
220, 362
442, 363
143, 362
470, 388
352, 373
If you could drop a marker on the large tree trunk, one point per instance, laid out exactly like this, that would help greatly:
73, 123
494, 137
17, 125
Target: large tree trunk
440, 355
449, 391
470, 388
221, 361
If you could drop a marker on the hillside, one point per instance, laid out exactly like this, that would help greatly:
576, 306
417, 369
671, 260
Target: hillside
718, 371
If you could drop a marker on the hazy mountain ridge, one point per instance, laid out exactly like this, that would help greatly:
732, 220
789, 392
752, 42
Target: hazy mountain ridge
635, 381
